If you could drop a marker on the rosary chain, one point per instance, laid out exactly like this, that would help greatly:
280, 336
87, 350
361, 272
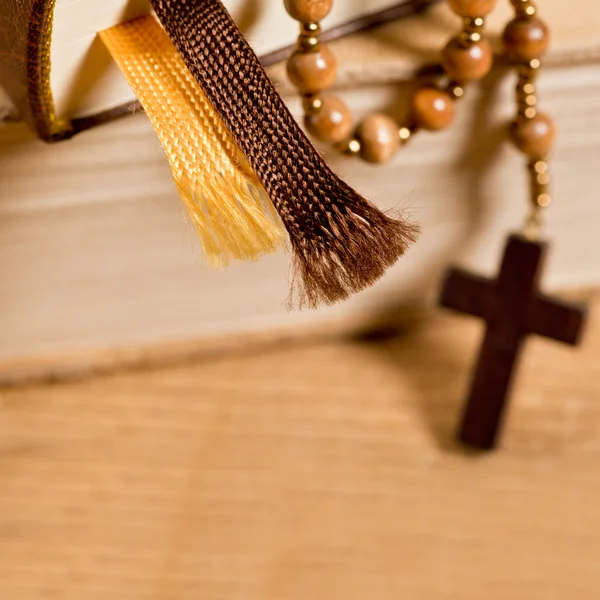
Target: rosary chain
466, 57
526, 39
312, 69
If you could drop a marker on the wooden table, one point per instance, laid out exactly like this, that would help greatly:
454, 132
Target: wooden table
315, 471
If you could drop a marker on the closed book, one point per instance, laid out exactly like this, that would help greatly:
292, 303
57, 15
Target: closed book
95, 256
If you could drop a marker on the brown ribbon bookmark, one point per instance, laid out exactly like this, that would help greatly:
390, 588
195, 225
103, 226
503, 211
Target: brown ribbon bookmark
341, 242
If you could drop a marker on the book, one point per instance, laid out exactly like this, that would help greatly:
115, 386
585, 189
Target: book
77, 78
95, 254
82, 80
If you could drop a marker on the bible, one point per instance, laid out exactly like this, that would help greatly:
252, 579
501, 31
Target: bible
90, 223
50, 53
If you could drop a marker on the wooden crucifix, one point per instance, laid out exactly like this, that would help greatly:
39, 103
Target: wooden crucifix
513, 308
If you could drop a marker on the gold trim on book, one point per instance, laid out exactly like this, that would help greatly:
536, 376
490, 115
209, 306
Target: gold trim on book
43, 114
25, 38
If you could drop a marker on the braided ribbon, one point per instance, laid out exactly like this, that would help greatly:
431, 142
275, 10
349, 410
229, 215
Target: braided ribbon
225, 202
341, 242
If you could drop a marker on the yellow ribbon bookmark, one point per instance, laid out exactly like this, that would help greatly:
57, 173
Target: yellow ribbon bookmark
226, 203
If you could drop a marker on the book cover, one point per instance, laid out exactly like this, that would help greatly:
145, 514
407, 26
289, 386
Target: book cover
53, 68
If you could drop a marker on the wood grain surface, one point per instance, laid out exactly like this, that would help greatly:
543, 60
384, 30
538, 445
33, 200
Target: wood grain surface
309, 471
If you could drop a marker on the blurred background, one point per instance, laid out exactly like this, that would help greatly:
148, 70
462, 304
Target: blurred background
172, 431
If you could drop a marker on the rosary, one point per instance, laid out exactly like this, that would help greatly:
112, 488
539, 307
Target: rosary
512, 306
252, 181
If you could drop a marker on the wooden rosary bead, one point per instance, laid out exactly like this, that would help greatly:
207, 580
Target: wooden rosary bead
308, 11
432, 109
378, 137
525, 39
467, 62
332, 122
312, 72
535, 136
472, 8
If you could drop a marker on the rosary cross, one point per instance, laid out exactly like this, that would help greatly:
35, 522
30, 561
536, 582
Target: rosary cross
513, 308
